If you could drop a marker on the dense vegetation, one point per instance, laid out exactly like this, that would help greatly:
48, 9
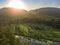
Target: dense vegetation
29, 24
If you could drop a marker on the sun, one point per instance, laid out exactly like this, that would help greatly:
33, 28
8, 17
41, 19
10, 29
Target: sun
18, 4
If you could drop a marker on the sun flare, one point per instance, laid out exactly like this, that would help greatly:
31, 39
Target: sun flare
18, 4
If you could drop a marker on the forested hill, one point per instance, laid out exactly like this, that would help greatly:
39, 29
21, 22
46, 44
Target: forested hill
47, 11
11, 11
9, 14
41, 15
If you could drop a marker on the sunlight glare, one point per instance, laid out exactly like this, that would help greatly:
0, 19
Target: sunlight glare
18, 4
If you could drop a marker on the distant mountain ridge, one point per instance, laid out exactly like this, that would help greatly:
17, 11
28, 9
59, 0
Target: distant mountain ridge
8, 14
9, 11
49, 11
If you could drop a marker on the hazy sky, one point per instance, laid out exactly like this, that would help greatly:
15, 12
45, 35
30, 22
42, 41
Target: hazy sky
33, 4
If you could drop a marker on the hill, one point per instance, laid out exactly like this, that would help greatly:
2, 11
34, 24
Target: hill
11, 11
47, 11
8, 14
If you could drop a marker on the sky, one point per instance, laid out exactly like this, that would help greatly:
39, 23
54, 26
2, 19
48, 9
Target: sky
34, 4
